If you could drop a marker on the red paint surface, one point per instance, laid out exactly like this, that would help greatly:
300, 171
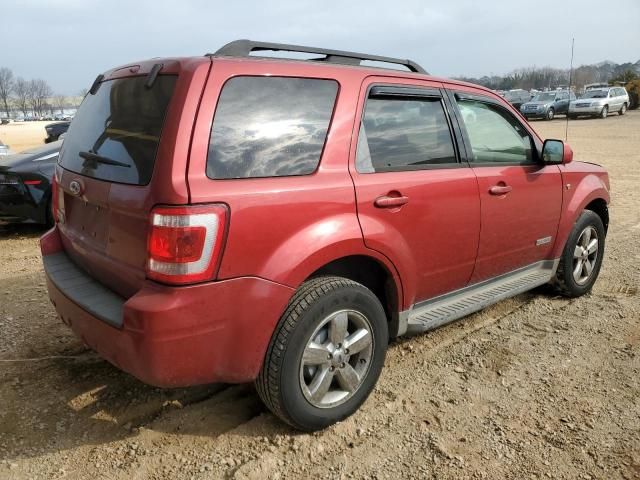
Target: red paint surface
280, 230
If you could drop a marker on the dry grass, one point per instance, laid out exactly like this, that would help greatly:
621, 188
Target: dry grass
21, 136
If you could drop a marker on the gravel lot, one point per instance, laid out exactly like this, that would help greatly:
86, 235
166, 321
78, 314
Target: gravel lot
535, 387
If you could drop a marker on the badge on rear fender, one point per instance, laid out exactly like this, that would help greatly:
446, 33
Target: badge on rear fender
543, 241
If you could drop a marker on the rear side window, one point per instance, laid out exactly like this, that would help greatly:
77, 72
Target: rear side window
403, 134
270, 127
114, 135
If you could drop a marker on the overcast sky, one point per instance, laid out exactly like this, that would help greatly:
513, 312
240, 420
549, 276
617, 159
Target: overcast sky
68, 42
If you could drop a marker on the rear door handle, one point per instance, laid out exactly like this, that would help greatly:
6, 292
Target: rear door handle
500, 189
390, 202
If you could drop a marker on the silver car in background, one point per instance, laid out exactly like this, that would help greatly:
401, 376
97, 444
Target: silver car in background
600, 103
4, 149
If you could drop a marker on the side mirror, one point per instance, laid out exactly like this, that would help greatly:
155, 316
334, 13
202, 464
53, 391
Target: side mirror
556, 152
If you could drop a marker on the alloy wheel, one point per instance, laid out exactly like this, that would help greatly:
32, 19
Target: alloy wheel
585, 255
336, 359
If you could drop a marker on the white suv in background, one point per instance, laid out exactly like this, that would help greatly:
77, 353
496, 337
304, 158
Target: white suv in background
600, 103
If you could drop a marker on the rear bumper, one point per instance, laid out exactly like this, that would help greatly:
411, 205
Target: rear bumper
17, 208
17, 204
180, 336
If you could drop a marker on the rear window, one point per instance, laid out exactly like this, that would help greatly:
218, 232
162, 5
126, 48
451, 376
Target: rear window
115, 133
270, 127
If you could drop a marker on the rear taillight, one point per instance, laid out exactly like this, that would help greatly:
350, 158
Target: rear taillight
185, 243
57, 200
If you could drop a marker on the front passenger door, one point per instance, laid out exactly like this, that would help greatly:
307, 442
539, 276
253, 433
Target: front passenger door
520, 197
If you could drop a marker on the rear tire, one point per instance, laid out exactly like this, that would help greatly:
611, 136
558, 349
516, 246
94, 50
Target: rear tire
550, 114
623, 109
582, 256
314, 373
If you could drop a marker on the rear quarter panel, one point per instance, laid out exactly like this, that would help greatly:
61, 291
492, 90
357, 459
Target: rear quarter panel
284, 228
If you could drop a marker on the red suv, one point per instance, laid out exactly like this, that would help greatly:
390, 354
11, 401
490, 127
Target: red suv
233, 218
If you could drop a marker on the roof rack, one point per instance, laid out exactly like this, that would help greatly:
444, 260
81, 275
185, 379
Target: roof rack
243, 48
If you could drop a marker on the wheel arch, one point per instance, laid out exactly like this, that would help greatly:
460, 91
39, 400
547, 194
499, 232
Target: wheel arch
590, 193
378, 276
599, 206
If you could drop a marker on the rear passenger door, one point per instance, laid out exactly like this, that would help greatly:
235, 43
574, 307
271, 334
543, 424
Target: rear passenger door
521, 197
616, 100
417, 203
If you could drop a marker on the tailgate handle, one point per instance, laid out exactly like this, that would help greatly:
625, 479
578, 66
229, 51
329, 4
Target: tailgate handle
388, 201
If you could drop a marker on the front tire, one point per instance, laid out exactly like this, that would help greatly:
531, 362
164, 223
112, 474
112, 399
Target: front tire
582, 256
325, 355
550, 114
604, 112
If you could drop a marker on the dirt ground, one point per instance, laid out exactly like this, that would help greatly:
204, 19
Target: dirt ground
23, 135
535, 387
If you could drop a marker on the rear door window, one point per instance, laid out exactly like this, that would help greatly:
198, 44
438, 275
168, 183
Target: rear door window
399, 133
114, 135
270, 127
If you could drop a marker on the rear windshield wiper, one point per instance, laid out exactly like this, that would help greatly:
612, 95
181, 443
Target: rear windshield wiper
94, 157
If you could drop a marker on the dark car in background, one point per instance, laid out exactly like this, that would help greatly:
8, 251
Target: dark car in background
54, 130
25, 184
517, 97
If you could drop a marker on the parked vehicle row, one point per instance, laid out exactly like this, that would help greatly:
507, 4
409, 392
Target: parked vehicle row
594, 102
228, 218
60, 117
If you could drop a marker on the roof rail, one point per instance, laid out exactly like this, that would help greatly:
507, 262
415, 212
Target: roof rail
243, 48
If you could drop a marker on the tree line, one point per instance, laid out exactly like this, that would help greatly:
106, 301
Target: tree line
31, 97
548, 77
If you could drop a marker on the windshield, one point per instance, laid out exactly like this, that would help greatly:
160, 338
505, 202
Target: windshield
595, 94
544, 97
115, 133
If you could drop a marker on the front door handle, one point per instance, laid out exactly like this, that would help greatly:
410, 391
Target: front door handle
500, 189
387, 201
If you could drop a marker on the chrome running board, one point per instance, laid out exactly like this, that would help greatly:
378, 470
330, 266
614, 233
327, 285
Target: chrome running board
446, 308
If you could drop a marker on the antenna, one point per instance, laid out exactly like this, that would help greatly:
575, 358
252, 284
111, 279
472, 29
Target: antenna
566, 130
